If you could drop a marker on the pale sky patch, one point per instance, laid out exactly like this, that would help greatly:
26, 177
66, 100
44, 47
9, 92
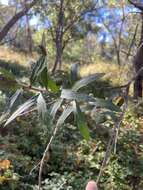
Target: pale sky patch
5, 2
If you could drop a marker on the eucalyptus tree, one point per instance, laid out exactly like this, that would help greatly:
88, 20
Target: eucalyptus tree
13, 20
66, 20
138, 59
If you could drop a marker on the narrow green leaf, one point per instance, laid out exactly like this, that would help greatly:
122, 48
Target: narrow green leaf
52, 85
87, 80
81, 123
7, 74
44, 78
47, 82
38, 68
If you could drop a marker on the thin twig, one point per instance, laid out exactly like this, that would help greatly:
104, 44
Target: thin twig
118, 124
44, 156
34, 168
132, 42
31, 88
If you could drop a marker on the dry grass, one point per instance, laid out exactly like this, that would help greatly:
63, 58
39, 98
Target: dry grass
118, 75
10, 55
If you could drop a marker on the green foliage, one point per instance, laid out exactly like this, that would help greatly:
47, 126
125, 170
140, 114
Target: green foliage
81, 123
71, 161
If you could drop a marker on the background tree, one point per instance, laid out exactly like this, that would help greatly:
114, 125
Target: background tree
65, 18
4, 31
138, 60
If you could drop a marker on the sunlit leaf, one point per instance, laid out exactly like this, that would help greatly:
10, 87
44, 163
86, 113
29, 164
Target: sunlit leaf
52, 85
67, 111
55, 107
72, 95
47, 82
41, 107
14, 98
24, 107
87, 80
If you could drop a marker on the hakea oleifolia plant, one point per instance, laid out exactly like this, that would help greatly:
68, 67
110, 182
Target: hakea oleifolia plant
68, 99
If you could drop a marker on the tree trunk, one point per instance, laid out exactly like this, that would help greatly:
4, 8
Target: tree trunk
58, 60
138, 64
59, 38
15, 18
28, 30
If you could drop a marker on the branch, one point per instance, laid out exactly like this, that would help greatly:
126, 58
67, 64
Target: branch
136, 4
132, 42
31, 88
79, 17
15, 18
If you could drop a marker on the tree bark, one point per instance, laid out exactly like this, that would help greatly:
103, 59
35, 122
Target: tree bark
28, 30
59, 38
59, 53
15, 18
138, 63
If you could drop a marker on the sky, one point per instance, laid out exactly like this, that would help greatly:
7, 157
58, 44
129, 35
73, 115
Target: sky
5, 2
33, 21
104, 14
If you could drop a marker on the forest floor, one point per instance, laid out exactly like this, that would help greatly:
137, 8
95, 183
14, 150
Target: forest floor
71, 161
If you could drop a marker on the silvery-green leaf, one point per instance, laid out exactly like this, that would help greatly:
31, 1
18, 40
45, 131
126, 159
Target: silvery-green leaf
81, 122
67, 111
55, 107
87, 80
72, 95
24, 107
15, 97
107, 104
41, 107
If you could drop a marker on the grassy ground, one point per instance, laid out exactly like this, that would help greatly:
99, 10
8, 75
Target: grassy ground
118, 74
13, 56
